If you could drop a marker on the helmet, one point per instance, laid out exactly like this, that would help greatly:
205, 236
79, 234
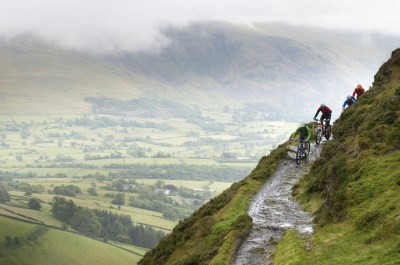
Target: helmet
349, 97
323, 105
359, 86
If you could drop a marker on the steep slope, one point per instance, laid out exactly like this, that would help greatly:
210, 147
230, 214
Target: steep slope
212, 234
273, 211
354, 187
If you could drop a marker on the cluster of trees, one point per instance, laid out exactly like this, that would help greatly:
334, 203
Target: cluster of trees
150, 199
104, 224
67, 190
63, 158
143, 107
98, 157
103, 122
71, 135
119, 199
26, 187
179, 171
4, 196
34, 204
121, 185
146, 107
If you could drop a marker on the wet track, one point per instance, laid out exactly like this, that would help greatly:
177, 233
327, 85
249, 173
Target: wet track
273, 210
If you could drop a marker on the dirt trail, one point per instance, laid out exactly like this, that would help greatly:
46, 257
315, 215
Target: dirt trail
273, 210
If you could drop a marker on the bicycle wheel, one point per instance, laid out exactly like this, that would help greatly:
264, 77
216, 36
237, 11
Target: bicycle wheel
298, 154
328, 131
307, 151
318, 136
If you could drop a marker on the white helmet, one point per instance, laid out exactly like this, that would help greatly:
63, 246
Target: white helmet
323, 105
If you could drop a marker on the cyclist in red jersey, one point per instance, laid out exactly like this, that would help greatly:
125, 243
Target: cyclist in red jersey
359, 90
326, 113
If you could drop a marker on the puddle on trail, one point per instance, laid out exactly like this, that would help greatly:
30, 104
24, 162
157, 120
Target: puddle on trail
273, 210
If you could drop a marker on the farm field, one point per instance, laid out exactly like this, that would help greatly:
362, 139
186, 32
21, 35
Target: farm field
153, 170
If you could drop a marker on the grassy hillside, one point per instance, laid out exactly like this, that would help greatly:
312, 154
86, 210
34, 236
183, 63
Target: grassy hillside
354, 187
39, 78
211, 235
42, 245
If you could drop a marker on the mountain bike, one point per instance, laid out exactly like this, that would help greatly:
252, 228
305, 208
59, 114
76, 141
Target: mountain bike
302, 152
323, 130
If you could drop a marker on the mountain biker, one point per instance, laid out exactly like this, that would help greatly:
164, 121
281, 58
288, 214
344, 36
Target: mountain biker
326, 113
359, 90
304, 133
349, 101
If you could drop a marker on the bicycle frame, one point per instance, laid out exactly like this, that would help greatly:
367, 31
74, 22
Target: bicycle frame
300, 154
323, 127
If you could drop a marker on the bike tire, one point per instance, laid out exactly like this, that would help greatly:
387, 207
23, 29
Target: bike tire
318, 136
298, 155
308, 149
328, 132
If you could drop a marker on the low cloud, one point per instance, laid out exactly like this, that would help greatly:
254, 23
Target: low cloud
107, 25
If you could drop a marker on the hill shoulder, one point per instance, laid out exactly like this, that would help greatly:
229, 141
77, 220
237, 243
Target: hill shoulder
354, 187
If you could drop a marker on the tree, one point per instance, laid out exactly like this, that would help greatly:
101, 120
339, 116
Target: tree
34, 204
68, 190
63, 209
159, 184
170, 214
119, 199
86, 222
92, 191
4, 196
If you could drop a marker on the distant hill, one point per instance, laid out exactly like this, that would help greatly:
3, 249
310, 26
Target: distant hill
352, 189
207, 64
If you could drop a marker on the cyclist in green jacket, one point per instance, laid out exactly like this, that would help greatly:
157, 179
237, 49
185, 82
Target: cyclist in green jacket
304, 133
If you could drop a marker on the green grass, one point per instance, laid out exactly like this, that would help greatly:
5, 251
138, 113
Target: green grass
190, 184
41, 216
57, 247
137, 215
211, 234
335, 244
353, 188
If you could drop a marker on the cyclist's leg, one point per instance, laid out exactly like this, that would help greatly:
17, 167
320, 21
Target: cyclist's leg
302, 139
323, 121
328, 119
323, 117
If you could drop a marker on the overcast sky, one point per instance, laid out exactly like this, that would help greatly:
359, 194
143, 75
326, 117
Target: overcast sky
136, 24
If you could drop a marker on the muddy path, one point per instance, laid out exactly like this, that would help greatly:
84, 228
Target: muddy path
273, 210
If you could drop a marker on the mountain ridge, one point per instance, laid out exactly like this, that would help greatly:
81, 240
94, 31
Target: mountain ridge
204, 64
